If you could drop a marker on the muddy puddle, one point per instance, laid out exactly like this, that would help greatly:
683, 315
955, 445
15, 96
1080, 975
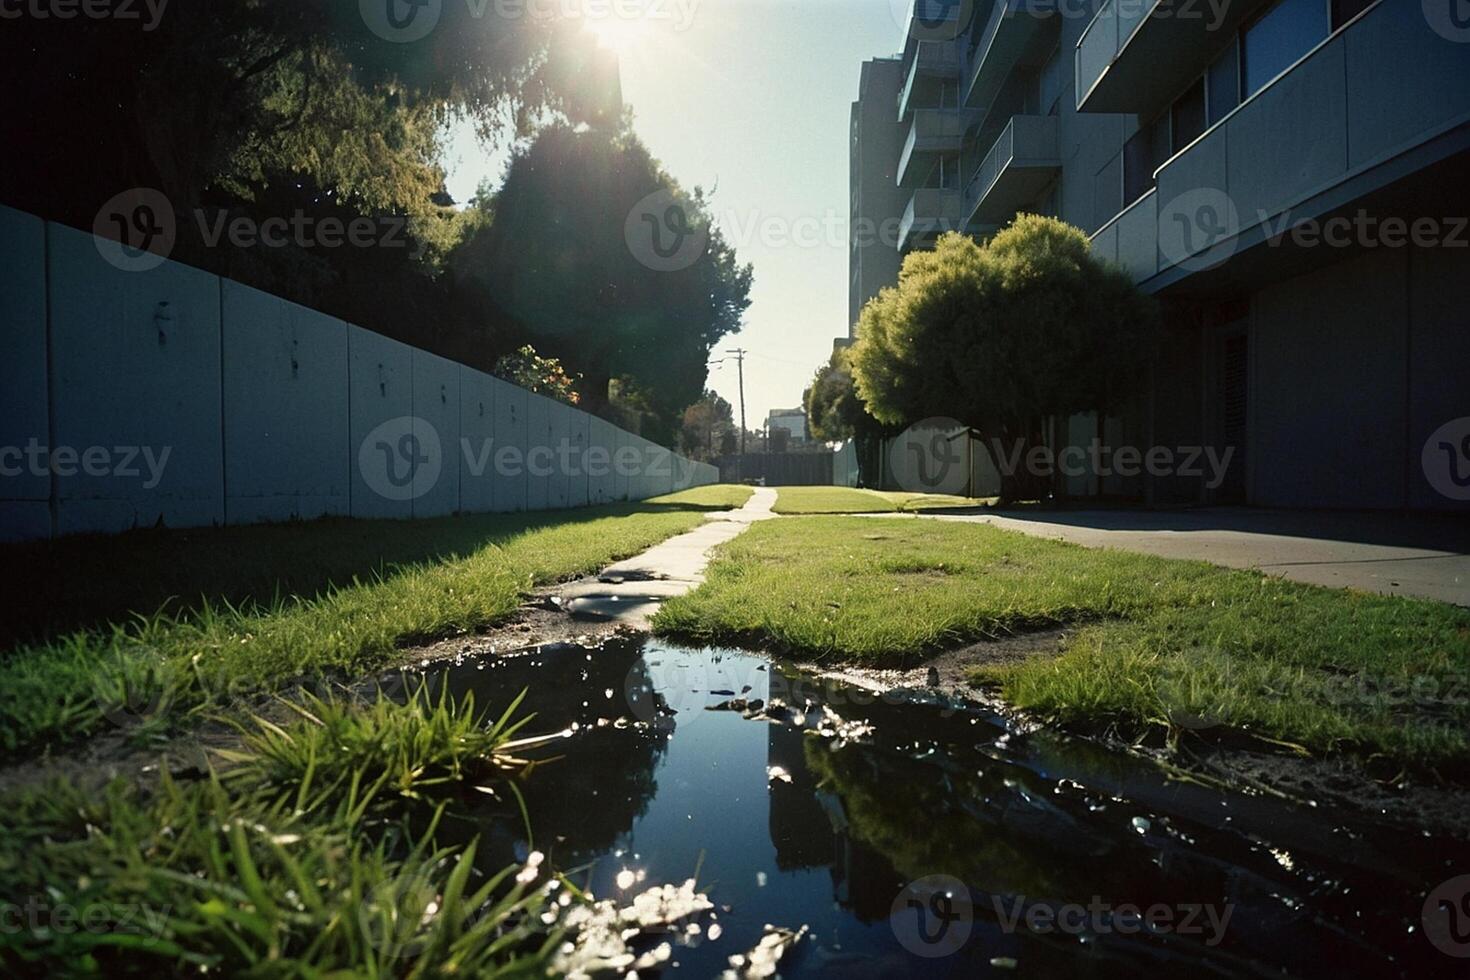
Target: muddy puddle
912, 836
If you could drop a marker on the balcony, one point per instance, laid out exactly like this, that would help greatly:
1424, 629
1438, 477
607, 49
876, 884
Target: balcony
934, 132
1366, 112
1134, 57
931, 60
931, 212
1018, 34
1017, 169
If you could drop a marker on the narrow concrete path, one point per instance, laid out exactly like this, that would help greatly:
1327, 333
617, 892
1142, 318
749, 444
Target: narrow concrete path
1424, 556
631, 591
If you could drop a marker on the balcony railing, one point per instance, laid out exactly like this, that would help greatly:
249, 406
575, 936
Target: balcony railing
1017, 33
932, 59
932, 131
931, 211
1018, 167
1134, 57
1305, 143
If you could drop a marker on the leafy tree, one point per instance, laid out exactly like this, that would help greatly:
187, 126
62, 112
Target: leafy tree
543, 375
225, 96
1002, 335
558, 261
705, 423
834, 410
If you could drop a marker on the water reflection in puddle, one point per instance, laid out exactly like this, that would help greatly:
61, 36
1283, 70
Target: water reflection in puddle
921, 838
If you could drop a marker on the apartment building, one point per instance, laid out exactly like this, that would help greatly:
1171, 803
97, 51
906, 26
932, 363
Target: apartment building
1291, 178
876, 199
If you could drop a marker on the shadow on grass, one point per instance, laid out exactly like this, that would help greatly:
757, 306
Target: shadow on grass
88, 581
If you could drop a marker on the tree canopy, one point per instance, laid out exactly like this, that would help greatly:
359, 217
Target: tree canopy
1003, 334
559, 260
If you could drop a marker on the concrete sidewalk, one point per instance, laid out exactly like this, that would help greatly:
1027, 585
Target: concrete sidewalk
1393, 554
631, 591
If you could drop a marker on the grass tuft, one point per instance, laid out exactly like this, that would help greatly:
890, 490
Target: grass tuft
410, 747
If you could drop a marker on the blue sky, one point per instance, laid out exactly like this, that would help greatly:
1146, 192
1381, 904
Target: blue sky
752, 97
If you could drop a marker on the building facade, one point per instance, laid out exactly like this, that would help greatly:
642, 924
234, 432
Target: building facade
1290, 178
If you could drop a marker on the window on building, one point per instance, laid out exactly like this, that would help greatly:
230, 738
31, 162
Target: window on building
1144, 153
1275, 40
1222, 84
1188, 116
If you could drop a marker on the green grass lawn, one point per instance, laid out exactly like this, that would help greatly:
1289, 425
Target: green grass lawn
159, 623
849, 500
717, 496
1152, 642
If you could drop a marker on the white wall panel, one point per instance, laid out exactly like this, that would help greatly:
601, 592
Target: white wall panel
380, 376
136, 362
510, 444
285, 409
436, 405
476, 451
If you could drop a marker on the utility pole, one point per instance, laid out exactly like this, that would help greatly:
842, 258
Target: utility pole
739, 354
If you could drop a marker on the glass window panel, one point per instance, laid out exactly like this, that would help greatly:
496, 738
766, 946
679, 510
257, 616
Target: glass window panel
1189, 116
1279, 37
1224, 83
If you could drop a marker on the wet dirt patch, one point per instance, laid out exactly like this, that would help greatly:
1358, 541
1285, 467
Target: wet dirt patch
948, 673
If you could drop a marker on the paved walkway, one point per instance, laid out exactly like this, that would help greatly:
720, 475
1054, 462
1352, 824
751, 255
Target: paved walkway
631, 591
1392, 554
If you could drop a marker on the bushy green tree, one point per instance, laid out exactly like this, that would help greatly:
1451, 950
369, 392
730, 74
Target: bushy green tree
1004, 334
834, 411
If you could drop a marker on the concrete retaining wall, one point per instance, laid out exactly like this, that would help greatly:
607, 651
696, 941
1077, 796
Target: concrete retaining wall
172, 396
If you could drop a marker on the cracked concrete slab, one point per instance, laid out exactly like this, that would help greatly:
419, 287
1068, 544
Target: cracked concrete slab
630, 591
